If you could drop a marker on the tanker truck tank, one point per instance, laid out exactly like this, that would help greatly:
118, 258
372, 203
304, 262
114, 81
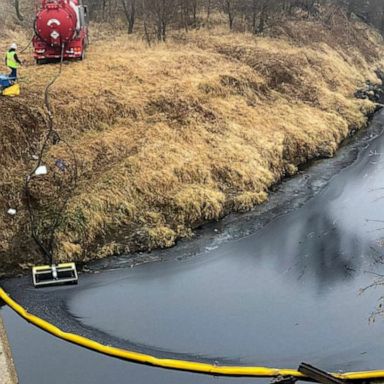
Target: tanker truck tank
60, 24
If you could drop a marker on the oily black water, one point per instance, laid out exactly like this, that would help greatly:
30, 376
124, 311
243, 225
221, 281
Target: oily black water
274, 294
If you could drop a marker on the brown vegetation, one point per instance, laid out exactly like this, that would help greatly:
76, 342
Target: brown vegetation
172, 136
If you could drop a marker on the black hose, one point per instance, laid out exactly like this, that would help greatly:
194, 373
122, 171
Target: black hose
27, 46
48, 249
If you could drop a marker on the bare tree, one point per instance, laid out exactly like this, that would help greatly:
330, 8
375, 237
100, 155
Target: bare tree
17, 9
230, 8
129, 7
160, 14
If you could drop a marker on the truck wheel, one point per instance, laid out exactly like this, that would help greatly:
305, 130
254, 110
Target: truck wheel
83, 54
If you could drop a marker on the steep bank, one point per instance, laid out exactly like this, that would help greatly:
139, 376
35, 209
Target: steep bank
171, 136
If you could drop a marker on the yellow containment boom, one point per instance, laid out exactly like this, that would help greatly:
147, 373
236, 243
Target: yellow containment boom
180, 365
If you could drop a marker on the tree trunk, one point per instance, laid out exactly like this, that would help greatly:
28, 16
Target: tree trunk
17, 9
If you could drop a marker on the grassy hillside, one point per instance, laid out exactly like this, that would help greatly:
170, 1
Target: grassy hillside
171, 136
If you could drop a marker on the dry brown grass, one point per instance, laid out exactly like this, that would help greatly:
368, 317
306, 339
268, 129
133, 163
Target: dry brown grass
172, 136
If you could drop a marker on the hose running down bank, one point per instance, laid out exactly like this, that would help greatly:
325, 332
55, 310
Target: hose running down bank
48, 248
180, 365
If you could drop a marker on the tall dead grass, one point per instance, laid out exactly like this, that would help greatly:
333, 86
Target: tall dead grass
175, 135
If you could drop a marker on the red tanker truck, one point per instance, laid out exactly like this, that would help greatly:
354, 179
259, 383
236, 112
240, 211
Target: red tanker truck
60, 24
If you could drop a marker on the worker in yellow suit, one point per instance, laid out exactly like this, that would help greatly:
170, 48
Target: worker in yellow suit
12, 61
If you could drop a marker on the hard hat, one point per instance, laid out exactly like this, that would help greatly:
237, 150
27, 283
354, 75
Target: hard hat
13, 46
